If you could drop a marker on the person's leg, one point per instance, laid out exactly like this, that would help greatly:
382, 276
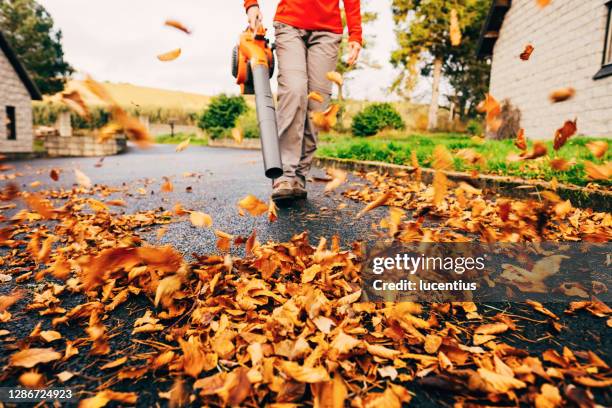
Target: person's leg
292, 95
322, 56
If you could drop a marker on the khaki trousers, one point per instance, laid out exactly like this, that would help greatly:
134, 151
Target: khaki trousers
304, 59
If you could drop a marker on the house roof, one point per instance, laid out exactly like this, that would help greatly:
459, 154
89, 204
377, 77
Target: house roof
490, 30
21, 72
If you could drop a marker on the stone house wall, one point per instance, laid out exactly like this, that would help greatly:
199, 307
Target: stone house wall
569, 38
14, 93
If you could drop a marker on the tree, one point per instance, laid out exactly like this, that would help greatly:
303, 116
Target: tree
423, 36
466, 73
28, 27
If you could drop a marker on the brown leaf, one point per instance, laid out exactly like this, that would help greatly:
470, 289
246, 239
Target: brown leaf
561, 164
381, 200
253, 205
491, 382
199, 219
167, 186
549, 397
562, 94
539, 150
178, 25
598, 148
526, 54
272, 211
327, 119
104, 397
170, 55
521, 140
338, 178
562, 134
32, 379
598, 171
304, 374
28, 358
75, 102
440, 187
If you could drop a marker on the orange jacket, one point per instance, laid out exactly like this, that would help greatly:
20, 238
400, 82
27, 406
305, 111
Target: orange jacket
321, 15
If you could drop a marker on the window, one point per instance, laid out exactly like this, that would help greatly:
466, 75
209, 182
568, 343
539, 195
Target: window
11, 128
606, 69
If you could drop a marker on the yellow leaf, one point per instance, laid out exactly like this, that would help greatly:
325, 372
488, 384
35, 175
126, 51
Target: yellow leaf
199, 219
315, 96
28, 358
455, 31
253, 205
304, 374
381, 200
327, 119
170, 55
183, 145
338, 178
82, 179
335, 77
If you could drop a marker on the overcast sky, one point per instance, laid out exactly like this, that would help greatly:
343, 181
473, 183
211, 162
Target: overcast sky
117, 40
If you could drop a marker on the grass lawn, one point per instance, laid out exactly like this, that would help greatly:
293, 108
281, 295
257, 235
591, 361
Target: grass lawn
180, 137
395, 147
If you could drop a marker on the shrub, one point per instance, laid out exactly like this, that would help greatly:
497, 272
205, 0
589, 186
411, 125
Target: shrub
220, 116
375, 118
474, 127
249, 125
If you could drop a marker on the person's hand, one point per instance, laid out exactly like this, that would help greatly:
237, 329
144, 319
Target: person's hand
354, 48
255, 17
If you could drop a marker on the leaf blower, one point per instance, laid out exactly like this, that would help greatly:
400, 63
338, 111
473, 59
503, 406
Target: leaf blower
253, 66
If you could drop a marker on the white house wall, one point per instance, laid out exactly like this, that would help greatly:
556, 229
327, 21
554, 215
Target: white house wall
14, 93
568, 36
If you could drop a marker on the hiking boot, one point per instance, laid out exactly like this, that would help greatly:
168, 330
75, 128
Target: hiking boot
299, 188
282, 190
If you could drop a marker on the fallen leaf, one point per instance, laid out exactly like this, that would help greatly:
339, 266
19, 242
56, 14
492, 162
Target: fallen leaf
598, 148
253, 205
381, 200
304, 374
32, 379
521, 140
82, 179
338, 178
526, 54
183, 145
539, 150
455, 31
562, 134
199, 219
335, 77
562, 94
315, 96
178, 25
75, 102
327, 119
28, 358
170, 55
104, 397
598, 171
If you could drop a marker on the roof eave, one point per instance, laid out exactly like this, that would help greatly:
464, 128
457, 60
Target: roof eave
490, 30
19, 68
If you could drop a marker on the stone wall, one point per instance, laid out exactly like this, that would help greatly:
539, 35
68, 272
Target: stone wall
159, 129
14, 93
58, 146
568, 37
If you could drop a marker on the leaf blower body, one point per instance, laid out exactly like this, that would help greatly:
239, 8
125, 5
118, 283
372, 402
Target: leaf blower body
253, 66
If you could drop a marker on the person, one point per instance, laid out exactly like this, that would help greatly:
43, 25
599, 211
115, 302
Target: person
308, 36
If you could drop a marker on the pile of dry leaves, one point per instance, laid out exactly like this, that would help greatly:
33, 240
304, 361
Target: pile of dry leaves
283, 325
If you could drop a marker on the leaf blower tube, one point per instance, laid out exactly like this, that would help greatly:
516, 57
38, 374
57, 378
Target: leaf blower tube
253, 66
266, 117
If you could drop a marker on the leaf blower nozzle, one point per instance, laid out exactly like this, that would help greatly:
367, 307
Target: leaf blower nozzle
253, 66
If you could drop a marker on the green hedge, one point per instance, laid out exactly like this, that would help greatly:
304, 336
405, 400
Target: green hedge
221, 115
375, 118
